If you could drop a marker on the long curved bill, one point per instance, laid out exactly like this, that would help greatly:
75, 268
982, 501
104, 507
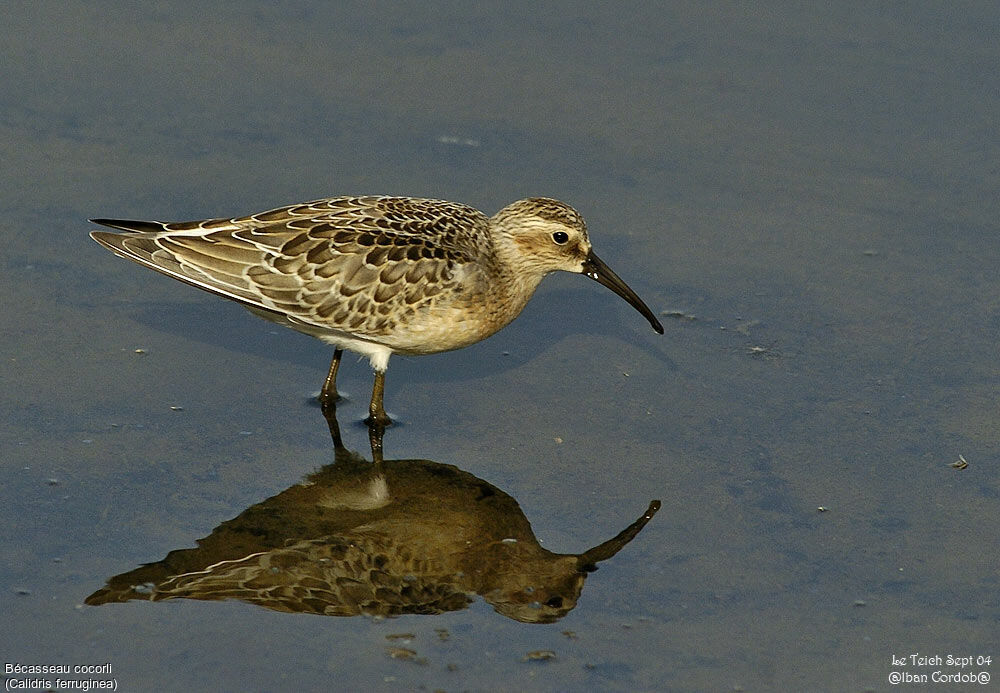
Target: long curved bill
595, 268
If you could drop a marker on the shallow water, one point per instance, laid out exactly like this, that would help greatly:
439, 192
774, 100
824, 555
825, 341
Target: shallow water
806, 195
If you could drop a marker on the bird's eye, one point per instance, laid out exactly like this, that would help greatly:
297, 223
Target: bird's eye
560, 237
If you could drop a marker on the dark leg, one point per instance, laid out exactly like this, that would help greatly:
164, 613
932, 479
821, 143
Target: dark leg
375, 433
376, 412
329, 409
340, 453
328, 395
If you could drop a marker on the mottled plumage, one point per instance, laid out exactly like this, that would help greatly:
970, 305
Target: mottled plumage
436, 537
376, 275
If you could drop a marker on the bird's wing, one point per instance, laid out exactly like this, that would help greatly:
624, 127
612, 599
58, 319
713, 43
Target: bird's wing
339, 263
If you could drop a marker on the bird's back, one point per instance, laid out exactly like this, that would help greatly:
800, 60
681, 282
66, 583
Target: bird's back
364, 266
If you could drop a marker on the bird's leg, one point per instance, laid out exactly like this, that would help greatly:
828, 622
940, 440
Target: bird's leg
376, 412
375, 433
329, 409
328, 395
377, 419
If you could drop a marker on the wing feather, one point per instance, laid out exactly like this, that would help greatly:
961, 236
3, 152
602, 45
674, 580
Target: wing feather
339, 263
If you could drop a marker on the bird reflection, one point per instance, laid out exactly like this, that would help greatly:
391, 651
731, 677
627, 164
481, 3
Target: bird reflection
380, 538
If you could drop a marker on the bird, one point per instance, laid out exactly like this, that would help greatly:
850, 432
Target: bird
381, 538
376, 275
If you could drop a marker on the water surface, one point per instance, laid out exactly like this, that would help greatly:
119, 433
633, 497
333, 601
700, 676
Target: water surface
807, 194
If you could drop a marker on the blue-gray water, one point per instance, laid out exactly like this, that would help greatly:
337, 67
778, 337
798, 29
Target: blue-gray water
815, 185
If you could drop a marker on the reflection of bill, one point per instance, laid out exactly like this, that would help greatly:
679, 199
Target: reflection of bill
384, 539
